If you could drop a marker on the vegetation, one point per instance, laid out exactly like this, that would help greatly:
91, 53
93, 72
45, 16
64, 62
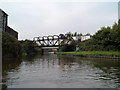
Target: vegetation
10, 46
68, 48
106, 39
28, 47
111, 53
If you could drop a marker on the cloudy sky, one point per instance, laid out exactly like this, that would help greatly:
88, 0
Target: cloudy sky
31, 18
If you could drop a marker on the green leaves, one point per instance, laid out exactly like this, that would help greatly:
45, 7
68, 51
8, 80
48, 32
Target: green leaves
28, 47
106, 39
10, 46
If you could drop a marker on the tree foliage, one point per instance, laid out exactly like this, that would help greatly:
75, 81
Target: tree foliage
10, 46
28, 46
68, 48
107, 39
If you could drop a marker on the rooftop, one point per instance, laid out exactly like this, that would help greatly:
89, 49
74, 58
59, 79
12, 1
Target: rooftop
3, 11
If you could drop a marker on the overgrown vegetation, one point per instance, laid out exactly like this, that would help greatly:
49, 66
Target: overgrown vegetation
106, 39
14, 48
68, 48
28, 47
10, 46
111, 53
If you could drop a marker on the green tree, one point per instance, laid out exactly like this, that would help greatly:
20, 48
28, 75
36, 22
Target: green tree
118, 36
69, 34
80, 34
88, 34
10, 46
28, 46
75, 34
68, 48
106, 39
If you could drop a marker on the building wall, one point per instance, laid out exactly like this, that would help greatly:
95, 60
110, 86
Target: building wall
85, 38
3, 20
4, 26
11, 32
81, 37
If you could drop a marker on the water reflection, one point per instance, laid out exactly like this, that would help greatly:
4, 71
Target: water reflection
9, 65
52, 71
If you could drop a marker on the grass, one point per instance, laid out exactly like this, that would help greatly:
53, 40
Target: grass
111, 53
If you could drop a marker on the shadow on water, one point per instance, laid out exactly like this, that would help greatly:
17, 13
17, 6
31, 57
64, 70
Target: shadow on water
9, 65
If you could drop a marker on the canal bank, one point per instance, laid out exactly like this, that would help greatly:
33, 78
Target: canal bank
93, 54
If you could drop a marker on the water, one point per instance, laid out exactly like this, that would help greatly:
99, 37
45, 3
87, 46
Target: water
53, 71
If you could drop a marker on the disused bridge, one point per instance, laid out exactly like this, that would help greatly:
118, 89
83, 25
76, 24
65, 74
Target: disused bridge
52, 41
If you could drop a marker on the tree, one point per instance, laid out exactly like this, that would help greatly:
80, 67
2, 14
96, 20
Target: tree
69, 34
75, 34
10, 46
68, 48
115, 27
106, 38
80, 34
88, 34
28, 46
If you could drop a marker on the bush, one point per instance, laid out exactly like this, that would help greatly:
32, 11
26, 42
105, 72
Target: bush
28, 47
10, 46
106, 39
68, 48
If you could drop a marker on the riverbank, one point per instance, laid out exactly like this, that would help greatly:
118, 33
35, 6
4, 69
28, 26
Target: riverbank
94, 54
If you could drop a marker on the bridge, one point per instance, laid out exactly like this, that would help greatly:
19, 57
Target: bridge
52, 41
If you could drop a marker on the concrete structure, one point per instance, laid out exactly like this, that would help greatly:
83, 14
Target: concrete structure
3, 20
12, 32
4, 26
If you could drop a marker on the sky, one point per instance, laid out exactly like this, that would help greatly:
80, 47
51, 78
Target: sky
33, 18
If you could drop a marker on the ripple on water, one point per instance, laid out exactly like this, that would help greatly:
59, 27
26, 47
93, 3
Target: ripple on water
56, 71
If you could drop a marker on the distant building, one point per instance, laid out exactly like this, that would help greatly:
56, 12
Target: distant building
76, 37
4, 26
85, 38
81, 38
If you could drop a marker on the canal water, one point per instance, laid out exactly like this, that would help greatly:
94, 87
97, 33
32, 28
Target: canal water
55, 71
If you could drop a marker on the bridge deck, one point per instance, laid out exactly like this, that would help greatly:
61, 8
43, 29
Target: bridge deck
50, 47
52, 41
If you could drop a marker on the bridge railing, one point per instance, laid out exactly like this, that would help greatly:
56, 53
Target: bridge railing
55, 40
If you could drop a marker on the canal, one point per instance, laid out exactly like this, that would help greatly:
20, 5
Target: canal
56, 71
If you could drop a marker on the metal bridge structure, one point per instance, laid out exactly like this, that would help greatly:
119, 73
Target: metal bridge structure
52, 41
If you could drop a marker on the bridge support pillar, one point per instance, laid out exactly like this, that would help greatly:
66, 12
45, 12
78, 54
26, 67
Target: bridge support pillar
42, 52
